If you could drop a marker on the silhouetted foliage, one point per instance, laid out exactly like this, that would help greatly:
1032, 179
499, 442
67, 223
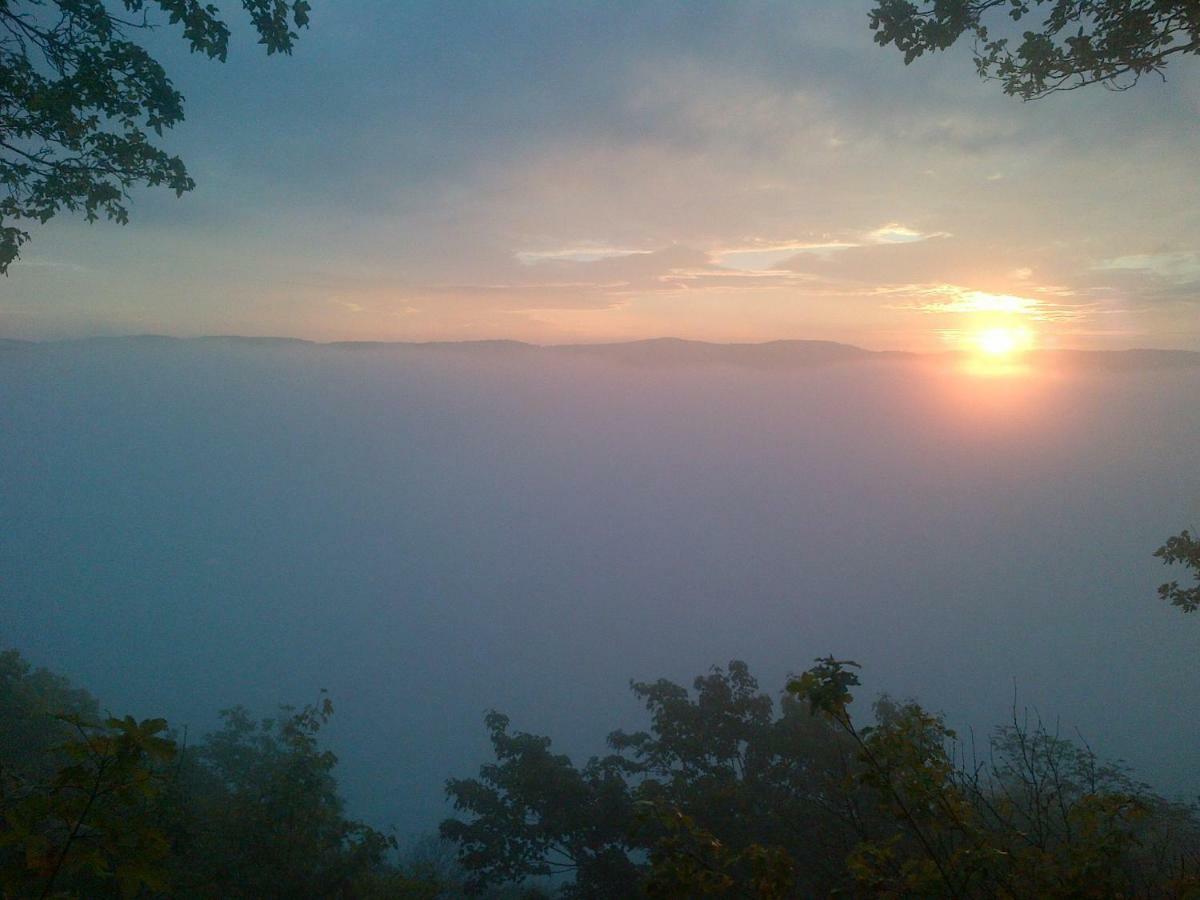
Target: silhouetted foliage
116, 808
1075, 43
263, 817
535, 814
762, 780
1039, 816
78, 98
1184, 549
724, 797
34, 706
721, 760
79, 794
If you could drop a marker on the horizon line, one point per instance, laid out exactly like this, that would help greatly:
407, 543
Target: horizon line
465, 342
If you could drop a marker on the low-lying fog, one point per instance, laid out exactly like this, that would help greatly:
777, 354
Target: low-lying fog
430, 533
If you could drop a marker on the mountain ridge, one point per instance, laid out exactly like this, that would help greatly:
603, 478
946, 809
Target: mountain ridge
650, 351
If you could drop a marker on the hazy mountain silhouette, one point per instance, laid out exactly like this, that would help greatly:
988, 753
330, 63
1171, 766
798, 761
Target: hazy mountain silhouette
674, 351
659, 352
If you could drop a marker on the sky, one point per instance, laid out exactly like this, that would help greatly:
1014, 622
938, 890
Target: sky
578, 172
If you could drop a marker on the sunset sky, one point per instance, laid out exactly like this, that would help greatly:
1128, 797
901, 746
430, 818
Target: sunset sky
565, 172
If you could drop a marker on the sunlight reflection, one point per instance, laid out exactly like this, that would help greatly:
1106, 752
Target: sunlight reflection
989, 394
989, 365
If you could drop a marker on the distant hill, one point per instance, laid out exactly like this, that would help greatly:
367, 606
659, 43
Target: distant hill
433, 345
659, 352
255, 341
675, 351
654, 352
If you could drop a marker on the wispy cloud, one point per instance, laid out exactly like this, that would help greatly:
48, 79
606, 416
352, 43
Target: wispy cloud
1180, 267
579, 253
757, 257
745, 172
761, 255
955, 299
895, 233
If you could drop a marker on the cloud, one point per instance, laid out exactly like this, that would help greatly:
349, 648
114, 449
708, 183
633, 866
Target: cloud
1179, 267
895, 233
761, 255
754, 169
955, 299
957, 260
581, 253
766, 255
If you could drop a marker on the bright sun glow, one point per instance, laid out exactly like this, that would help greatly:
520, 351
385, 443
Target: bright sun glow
999, 350
1002, 341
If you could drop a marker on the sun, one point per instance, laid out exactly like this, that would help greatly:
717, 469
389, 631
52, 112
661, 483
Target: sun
1002, 341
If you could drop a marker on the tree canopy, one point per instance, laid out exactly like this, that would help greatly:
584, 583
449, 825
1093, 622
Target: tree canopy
729, 794
81, 103
1033, 815
108, 806
726, 793
1074, 43
1183, 549
721, 758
